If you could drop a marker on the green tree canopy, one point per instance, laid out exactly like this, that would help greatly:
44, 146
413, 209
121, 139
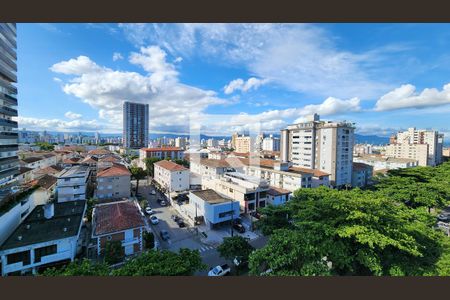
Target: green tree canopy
113, 252
79, 268
138, 173
149, 164
235, 246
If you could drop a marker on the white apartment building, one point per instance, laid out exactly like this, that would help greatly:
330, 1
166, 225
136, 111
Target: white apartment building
49, 236
39, 162
379, 162
412, 136
361, 149
283, 175
250, 191
160, 153
214, 168
180, 142
271, 143
172, 176
326, 146
212, 143
73, 183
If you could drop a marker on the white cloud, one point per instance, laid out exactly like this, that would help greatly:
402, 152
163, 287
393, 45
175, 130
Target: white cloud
61, 125
104, 89
178, 60
239, 84
406, 97
56, 79
72, 115
299, 57
117, 56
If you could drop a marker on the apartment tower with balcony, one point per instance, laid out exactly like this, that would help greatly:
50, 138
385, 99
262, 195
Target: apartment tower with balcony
135, 125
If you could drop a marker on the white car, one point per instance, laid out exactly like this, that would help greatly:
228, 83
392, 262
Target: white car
153, 192
148, 210
154, 220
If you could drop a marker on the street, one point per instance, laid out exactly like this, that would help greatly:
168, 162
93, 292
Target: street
185, 237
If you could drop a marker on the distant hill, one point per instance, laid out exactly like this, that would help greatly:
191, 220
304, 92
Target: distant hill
371, 139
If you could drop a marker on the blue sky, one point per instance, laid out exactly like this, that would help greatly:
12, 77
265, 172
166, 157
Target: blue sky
383, 77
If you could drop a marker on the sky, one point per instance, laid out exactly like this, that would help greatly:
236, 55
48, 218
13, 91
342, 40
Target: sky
233, 77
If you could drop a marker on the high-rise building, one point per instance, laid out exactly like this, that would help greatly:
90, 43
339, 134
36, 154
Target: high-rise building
9, 162
326, 146
180, 142
243, 144
135, 125
233, 140
271, 143
422, 145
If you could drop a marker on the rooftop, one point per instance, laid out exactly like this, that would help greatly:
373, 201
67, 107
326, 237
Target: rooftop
24, 170
54, 169
99, 151
211, 196
32, 159
162, 149
276, 191
361, 166
37, 229
314, 172
230, 162
76, 171
116, 216
114, 170
46, 181
371, 157
170, 165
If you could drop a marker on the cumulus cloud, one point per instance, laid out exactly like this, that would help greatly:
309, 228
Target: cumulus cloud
117, 56
104, 89
72, 115
300, 57
244, 86
406, 97
61, 125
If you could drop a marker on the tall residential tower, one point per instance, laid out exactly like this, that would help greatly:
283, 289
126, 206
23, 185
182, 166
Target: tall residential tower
135, 125
9, 162
325, 146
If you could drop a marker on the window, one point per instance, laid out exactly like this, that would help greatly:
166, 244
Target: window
24, 213
44, 251
249, 197
224, 214
109, 237
251, 206
23, 257
262, 194
262, 203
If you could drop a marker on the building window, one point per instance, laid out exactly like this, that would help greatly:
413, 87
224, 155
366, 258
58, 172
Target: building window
23, 257
262, 194
109, 237
224, 214
44, 251
262, 203
251, 206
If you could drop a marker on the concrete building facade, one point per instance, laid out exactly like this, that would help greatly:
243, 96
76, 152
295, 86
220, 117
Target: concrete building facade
135, 125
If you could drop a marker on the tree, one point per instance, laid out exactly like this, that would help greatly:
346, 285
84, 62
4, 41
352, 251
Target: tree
45, 146
235, 246
90, 203
79, 268
149, 240
182, 162
163, 263
113, 252
138, 173
358, 232
149, 165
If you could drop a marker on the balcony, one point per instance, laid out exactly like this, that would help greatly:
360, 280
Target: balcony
8, 123
8, 135
8, 111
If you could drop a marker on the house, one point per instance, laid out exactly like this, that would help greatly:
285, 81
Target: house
214, 168
379, 162
51, 170
278, 196
249, 191
361, 174
25, 175
113, 182
212, 207
118, 221
172, 176
99, 152
70, 162
39, 162
171, 153
49, 236
73, 183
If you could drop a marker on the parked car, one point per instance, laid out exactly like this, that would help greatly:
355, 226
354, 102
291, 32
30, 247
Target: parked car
154, 220
164, 234
175, 218
153, 192
221, 270
163, 203
444, 217
148, 210
239, 227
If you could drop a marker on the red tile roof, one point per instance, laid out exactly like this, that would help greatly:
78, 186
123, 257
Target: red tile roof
73, 160
114, 170
315, 172
99, 151
170, 165
276, 191
90, 160
117, 216
46, 181
50, 170
162, 149
110, 159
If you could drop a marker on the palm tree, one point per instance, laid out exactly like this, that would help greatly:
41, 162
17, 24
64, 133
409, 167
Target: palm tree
138, 174
149, 161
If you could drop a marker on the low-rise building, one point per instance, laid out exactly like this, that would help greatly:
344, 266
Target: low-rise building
113, 182
278, 196
73, 183
39, 162
361, 174
172, 176
171, 153
49, 236
118, 221
379, 162
214, 168
25, 174
211, 207
249, 191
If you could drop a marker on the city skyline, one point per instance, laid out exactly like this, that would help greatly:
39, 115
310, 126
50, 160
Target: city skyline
385, 82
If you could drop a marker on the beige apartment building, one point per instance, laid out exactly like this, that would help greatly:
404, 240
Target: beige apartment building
326, 146
243, 144
113, 182
414, 143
